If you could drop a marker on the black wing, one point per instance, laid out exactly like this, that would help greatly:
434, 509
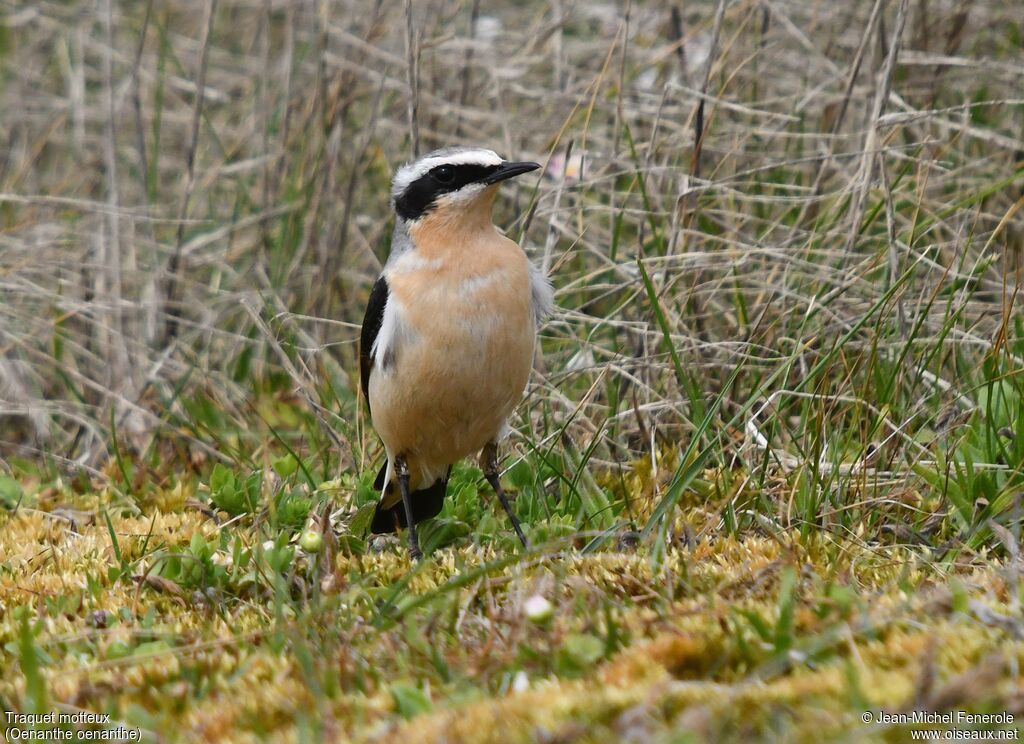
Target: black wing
371, 327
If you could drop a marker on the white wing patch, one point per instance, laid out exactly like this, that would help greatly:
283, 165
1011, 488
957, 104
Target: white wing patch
542, 297
392, 331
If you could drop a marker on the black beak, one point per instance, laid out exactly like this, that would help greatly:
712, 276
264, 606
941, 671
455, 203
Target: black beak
510, 170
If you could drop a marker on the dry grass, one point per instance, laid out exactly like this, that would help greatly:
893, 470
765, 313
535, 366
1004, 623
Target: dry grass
177, 197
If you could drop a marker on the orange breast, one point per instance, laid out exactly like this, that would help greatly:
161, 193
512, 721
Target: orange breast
465, 354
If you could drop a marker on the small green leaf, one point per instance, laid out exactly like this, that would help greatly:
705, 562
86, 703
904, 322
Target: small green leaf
285, 466
220, 477
579, 652
410, 701
198, 546
351, 545
787, 600
29, 659
360, 523
10, 492
118, 650
958, 596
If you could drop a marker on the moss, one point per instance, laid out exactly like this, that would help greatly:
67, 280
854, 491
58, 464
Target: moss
701, 645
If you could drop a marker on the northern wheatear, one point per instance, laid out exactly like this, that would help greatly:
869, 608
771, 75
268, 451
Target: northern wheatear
448, 339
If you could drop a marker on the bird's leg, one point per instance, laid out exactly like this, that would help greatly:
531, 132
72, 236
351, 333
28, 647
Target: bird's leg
490, 463
402, 468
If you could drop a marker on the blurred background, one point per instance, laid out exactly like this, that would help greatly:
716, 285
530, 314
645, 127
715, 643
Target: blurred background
783, 234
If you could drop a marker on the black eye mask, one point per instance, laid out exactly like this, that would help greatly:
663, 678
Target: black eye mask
420, 195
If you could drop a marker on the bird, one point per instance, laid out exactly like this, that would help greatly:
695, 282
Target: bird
448, 338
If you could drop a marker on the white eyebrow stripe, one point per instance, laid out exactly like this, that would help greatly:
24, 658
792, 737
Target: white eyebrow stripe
409, 173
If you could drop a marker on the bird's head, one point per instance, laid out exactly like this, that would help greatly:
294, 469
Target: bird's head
453, 185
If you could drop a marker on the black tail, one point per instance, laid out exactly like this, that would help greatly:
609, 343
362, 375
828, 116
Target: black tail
426, 503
